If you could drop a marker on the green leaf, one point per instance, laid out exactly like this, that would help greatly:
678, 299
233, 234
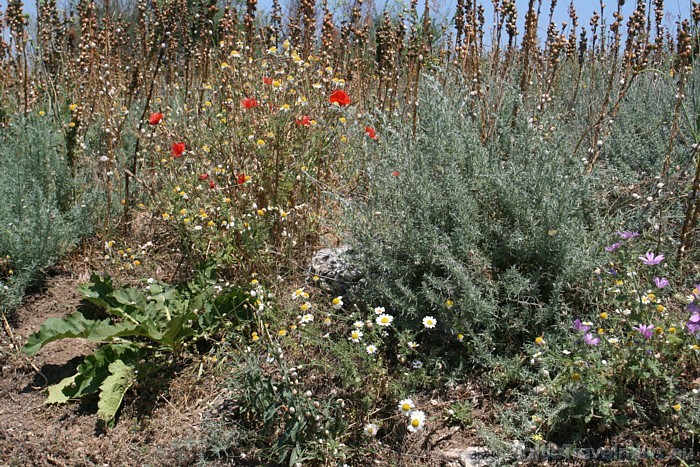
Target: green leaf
56, 394
113, 388
53, 329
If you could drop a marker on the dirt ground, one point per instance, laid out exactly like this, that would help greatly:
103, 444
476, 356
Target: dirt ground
33, 433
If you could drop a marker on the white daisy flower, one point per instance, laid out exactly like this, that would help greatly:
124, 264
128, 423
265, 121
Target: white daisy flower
416, 421
406, 406
338, 303
299, 293
384, 319
379, 310
306, 319
358, 324
371, 349
371, 429
429, 322
355, 335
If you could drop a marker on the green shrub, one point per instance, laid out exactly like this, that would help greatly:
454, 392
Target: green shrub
487, 238
44, 209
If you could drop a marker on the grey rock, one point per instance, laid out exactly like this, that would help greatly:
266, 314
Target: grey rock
472, 456
336, 275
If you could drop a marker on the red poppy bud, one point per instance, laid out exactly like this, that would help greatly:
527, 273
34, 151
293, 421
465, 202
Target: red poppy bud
370, 132
304, 120
240, 180
340, 97
178, 149
267, 80
155, 118
249, 103
212, 184
203, 176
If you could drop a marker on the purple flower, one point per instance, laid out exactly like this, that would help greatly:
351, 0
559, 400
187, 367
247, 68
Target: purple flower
660, 283
650, 260
645, 330
590, 340
693, 324
613, 247
627, 234
580, 327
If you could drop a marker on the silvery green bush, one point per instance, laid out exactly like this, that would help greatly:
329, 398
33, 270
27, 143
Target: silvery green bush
489, 238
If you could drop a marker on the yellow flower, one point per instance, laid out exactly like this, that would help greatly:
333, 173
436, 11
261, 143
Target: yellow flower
677, 407
460, 337
604, 315
72, 107
449, 303
260, 143
660, 308
166, 216
282, 332
576, 377
672, 330
137, 263
539, 340
42, 113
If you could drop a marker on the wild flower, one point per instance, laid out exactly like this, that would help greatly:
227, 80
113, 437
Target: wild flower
155, 118
660, 282
371, 429
613, 247
371, 133
379, 310
299, 293
337, 303
626, 235
590, 340
581, 327
307, 318
416, 421
249, 103
406, 406
177, 149
429, 322
417, 364
371, 349
384, 319
650, 259
355, 335
304, 120
647, 331
412, 345
339, 97
693, 324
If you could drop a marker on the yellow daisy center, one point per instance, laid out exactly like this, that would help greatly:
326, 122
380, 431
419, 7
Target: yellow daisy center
415, 423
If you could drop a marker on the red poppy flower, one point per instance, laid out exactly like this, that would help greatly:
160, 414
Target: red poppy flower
155, 118
178, 149
212, 184
240, 180
370, 132
249, 103
340, 97
267, 80
304, 120
396, 173
203, 176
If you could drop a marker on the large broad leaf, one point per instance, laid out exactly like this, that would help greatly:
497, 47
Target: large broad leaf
98, 291
56, 395
113, 388
53, 329
76, 325
92, 372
